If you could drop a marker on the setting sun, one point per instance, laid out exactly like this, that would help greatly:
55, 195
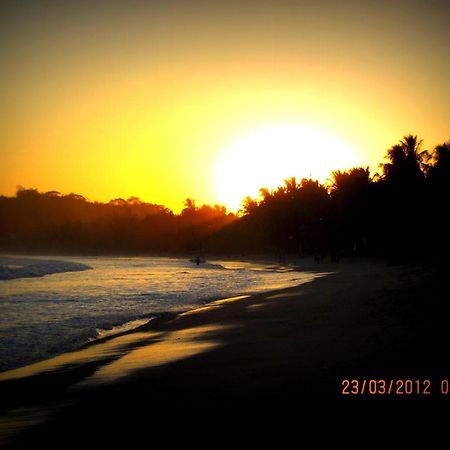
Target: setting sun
265, 157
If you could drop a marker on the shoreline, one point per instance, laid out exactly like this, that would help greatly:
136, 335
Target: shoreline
154, 322
102, 333
258, 353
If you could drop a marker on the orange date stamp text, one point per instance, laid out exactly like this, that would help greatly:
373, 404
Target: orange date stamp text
394, 387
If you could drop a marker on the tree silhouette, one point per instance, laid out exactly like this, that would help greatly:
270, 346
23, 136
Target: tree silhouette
189, 207
407, 162
248, 205
439, 171
400, 214
351, 195
404, 197
50, 222
438, 199
354, 180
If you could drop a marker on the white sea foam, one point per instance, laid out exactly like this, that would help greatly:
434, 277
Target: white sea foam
46, 315
128, 326
15, 267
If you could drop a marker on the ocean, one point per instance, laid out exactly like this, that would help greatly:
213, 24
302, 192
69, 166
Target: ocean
53, 305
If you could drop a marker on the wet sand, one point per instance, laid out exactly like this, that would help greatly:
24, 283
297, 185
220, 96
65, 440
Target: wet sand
266, 354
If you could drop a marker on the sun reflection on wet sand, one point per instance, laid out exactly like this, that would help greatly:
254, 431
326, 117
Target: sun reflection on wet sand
174, 346
128, 353
111, 347
284, 295
212, 305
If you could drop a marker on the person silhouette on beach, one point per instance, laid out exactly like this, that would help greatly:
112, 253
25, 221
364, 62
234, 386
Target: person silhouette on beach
197, 260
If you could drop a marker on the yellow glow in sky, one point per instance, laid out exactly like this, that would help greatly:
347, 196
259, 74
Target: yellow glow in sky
117, 99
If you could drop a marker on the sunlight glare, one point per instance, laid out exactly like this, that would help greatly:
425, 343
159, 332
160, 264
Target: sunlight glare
267, 156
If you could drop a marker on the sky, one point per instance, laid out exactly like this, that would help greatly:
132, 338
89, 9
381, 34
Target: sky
115, 99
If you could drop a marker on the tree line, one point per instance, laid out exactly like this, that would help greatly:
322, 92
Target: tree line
36, 222
398, 213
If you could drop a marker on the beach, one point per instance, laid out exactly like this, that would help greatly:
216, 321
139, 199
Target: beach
57, 310
267, 353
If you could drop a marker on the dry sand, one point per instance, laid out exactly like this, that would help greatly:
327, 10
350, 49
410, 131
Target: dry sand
265, 354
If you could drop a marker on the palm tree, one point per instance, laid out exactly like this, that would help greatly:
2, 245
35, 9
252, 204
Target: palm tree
416, 157
248, 205
403, 196
265, 194
291, 185
439, 171
350, 180
352, 213
189, 209
407, 161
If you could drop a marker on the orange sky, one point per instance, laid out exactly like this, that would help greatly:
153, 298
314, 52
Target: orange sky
143, 98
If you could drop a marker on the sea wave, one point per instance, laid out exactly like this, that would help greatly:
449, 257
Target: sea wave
44, 316
12, 267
